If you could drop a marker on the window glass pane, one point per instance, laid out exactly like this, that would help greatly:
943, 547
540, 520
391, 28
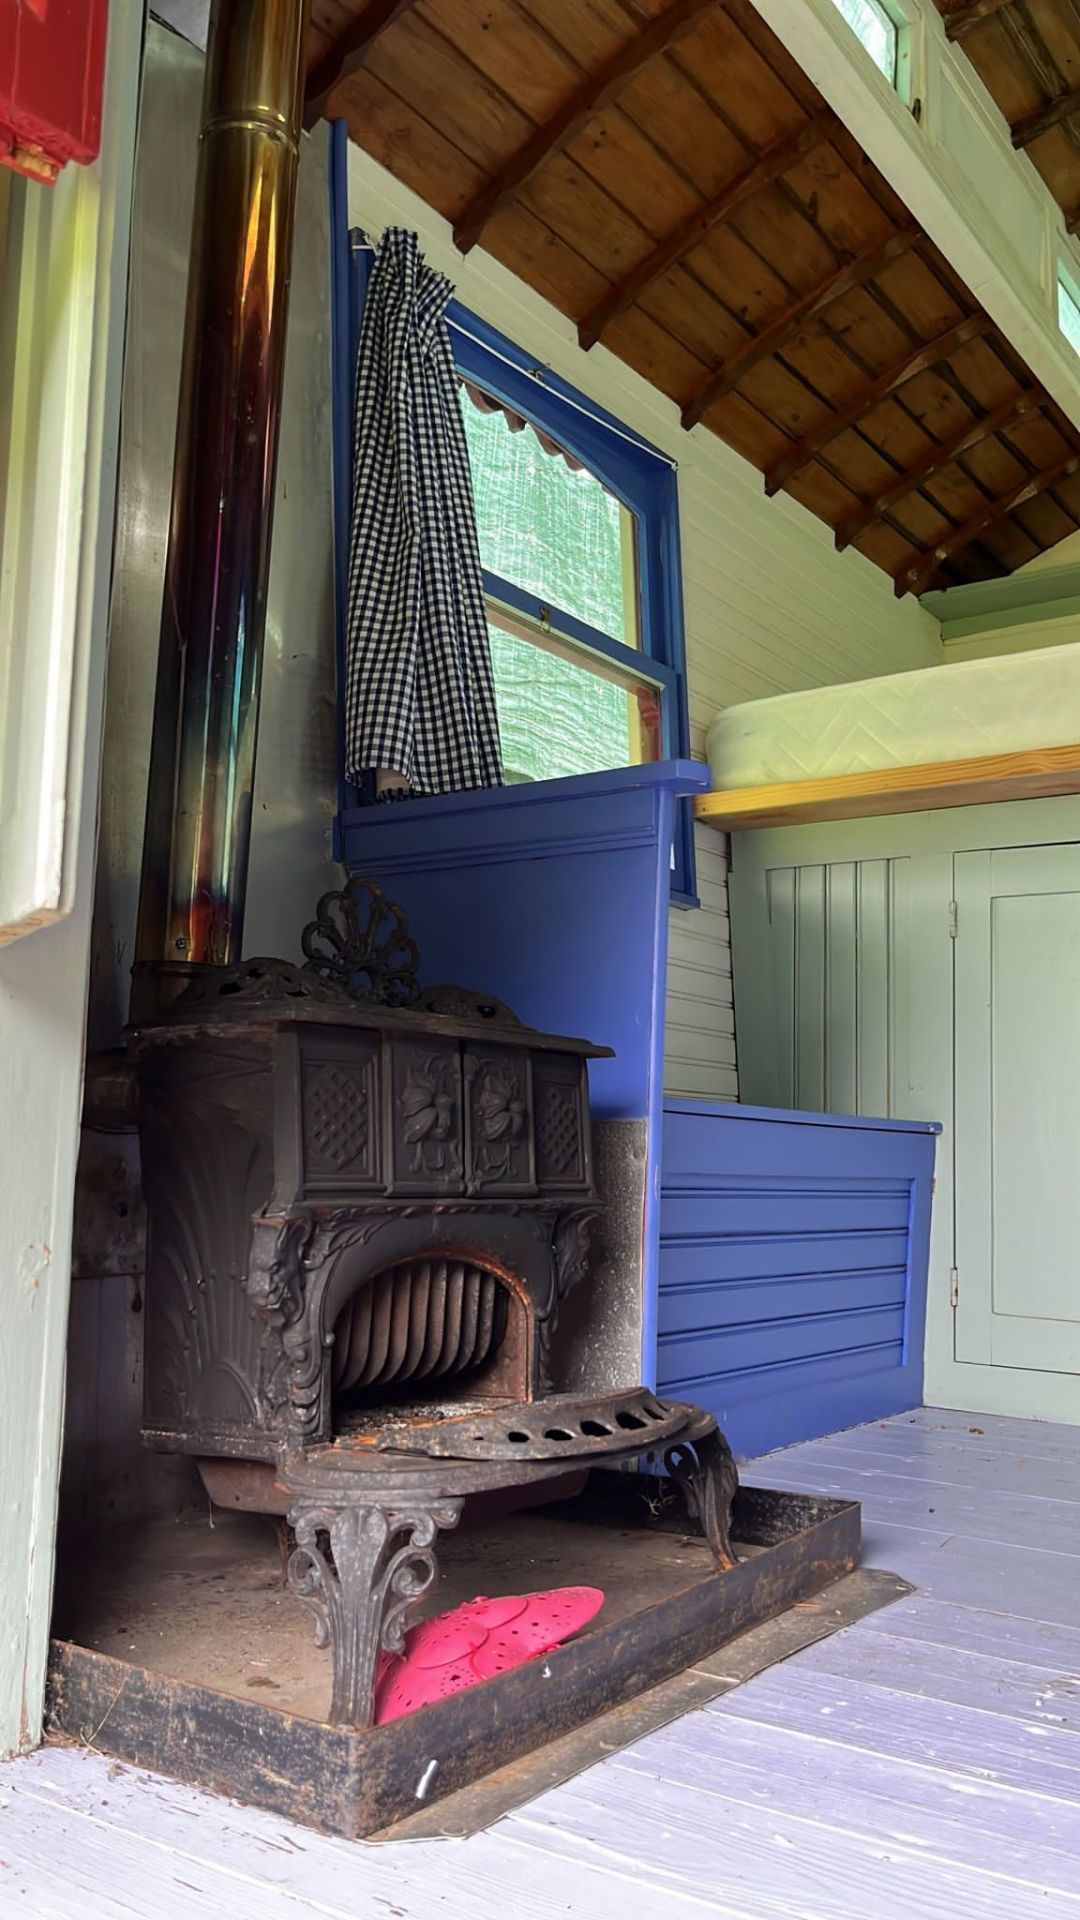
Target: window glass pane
550, 527
557, 717
875, 27
1069, 316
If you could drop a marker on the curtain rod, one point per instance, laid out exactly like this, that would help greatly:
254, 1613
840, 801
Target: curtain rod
360, 244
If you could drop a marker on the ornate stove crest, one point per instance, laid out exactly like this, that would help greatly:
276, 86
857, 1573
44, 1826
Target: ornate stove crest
360, 940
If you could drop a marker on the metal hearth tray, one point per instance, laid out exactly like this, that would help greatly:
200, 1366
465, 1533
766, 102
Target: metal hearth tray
560, 1425
178, 1699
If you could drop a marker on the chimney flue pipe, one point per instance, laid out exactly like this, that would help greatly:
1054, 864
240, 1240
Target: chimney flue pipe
206, 709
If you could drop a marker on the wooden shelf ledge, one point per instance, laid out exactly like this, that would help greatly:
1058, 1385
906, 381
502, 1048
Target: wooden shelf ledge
1038, 773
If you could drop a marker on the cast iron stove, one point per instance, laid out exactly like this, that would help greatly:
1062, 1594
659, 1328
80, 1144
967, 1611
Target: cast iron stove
366, 1206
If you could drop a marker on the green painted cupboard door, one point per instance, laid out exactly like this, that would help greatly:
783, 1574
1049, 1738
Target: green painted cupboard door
1017, 1039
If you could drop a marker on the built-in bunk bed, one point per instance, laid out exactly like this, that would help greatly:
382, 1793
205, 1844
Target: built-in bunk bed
976, 731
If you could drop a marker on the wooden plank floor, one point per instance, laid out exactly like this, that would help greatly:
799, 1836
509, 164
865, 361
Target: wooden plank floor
924, 1765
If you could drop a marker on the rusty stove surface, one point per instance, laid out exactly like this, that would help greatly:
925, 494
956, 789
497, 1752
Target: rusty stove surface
353, 1203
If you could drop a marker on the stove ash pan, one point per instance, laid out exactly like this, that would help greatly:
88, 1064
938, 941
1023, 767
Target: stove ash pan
350, 1207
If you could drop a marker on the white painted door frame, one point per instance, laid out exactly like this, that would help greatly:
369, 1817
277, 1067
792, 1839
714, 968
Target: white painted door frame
922, 960
61, 355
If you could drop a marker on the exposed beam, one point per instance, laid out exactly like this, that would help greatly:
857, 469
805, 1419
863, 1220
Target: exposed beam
913, 579
1034, 125
1008, 414
964, 19
347, 53
929, 353
766, 168
593, 95
859, 268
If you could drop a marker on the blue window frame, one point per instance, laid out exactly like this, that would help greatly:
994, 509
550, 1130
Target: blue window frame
637, 474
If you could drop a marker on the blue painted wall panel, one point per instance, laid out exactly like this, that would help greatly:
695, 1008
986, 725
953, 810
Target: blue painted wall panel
793, 1265
554, 897
750, 1304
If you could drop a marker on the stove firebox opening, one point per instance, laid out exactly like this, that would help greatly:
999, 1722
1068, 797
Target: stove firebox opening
435, 1330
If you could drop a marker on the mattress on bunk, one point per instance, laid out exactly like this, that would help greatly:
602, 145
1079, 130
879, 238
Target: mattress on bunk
958, 712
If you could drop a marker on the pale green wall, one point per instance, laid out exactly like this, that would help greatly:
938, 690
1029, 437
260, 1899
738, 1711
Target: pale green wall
77, 240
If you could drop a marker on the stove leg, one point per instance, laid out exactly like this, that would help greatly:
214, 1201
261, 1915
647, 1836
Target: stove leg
380, 1561
707, 1474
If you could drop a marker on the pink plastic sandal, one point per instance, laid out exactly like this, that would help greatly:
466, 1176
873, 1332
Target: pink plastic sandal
477, 1641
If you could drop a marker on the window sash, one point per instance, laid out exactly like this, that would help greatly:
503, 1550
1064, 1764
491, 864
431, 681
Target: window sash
1068, 314
855, 14
627, 667
637, 473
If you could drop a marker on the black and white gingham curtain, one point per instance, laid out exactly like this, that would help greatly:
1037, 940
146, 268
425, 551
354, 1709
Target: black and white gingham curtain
420, 699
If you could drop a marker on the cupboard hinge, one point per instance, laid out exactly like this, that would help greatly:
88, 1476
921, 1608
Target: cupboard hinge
954, 1286
952, 919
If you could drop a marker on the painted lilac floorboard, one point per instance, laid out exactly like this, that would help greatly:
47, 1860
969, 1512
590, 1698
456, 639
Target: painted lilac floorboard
976, 1823
980, 1573
971, 1431
782, 1864
1013, 1520
971, 1461
1053, 1649
1038, 1439
974, 1743
994, 1425
902, 1488
116, 1830
953, 1674
896, 1547
1057, 1478
904, 1770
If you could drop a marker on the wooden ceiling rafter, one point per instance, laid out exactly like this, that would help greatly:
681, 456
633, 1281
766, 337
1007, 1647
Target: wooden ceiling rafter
1034, 125
597, 91
846, 276
963, 19
666, 175
916, 578
1028, 57
668, 252
1009, 414
348, 52
821, 127
932, 262
924, 355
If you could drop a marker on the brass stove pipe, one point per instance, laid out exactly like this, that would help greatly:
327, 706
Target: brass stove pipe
206, 710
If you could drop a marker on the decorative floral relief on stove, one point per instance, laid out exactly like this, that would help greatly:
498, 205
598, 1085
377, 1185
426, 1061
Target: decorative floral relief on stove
430, 1128
500, 1120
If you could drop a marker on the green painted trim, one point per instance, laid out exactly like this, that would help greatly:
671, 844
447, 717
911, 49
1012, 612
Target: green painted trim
1050, 593
1024, 616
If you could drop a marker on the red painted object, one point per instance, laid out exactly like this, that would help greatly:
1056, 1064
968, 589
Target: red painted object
52, 74
477, 1641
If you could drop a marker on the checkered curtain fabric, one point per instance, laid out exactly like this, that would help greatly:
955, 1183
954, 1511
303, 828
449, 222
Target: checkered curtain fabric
420, 698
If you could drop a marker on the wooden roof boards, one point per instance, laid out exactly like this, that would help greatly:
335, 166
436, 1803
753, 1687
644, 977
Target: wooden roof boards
1027, 54
666, 175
